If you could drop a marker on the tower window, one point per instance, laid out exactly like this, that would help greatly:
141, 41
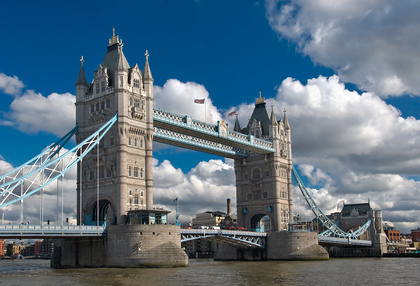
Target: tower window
97, 106
103, 86
136, 83
135, 142
108, 103
103, 105
136, 102
129, 141
121, 81
136, 199
92, 108
97, 87
141, 143
141, 172
136, 172
129, 171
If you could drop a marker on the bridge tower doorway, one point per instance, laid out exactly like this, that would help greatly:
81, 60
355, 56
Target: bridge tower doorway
264, 181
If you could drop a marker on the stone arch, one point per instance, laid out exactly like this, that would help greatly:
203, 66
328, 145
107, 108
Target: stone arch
256, 221
106, 209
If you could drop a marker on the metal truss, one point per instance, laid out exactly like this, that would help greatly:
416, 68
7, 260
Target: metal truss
196, 143
244, 239
37, 176
219, 139
43, 158
332, 228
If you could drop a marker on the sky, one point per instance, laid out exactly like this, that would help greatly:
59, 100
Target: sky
346, 71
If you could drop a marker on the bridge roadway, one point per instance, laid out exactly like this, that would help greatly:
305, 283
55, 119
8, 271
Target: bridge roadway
186, 132
247, 239
50, 231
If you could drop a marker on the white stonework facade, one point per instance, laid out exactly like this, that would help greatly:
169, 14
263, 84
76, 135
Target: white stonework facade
264, 182
121, 170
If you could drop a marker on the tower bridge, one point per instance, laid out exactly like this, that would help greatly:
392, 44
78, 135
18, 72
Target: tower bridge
116, 126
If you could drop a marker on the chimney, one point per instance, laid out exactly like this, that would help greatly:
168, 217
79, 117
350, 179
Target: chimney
228, 207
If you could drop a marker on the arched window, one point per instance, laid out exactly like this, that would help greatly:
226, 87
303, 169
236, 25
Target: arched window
256, 173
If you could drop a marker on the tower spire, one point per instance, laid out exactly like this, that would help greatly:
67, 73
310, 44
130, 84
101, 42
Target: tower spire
285, 121
147, 74
114, 39
81, 79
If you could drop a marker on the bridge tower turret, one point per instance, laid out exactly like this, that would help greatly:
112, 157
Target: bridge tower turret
117, 176
263, 182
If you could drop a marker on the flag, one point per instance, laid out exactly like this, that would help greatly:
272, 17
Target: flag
176, 199
199, 101
232, 113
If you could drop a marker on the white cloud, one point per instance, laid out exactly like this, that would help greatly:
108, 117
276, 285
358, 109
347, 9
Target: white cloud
205, 188
10, 85
371, 43
178, 97
32, 113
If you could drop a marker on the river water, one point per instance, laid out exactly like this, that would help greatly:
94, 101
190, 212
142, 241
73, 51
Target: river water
336, 271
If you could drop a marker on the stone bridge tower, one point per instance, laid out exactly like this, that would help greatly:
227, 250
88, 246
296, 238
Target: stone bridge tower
264, 182
121, 170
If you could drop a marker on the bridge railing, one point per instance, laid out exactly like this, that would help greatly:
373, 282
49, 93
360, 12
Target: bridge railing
27, 230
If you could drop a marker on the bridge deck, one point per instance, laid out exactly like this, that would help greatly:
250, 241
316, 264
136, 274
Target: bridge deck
183, 131
49, 231
325, 240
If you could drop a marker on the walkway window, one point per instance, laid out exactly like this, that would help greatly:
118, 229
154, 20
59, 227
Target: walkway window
256, 173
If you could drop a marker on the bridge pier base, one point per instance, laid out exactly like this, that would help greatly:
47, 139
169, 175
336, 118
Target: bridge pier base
294, 246
123, 246
280, 246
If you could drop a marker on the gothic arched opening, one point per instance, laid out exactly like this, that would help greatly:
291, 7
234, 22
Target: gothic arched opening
104, 205
261, 223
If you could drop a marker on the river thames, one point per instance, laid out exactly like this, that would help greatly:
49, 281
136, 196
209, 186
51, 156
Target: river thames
338, 271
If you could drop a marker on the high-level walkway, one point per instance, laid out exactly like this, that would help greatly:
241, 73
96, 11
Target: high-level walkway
186, 132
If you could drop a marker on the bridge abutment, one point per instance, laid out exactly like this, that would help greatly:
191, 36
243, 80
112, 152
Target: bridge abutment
123, 246
280, 246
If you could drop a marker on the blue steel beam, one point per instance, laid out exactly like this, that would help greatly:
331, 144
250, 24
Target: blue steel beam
220, 133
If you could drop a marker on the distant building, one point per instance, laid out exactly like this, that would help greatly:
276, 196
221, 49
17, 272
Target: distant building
2, 247
393, 235
415, 235
199, 248
208, 218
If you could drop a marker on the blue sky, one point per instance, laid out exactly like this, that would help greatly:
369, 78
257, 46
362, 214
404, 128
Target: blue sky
346, 72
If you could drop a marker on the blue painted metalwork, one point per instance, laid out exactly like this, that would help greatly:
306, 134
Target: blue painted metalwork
35, 162
332, 228
71, 157
247, 239
217, 139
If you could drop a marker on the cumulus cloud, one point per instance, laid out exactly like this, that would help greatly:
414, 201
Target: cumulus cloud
178, 97
32, 112
10, 85
371, 43
202, 189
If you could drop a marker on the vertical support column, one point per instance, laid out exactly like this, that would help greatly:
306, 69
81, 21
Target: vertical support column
149, 170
